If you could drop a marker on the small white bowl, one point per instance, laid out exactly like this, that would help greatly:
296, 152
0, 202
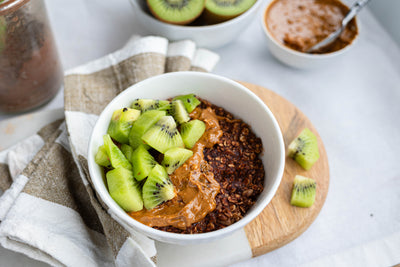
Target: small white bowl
222, 92
297, 59
211, 36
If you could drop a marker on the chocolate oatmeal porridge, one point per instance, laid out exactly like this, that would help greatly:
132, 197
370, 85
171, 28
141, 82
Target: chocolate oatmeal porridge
227, 163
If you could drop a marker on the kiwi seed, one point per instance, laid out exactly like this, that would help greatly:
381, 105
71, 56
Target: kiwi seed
303, 193
304, 149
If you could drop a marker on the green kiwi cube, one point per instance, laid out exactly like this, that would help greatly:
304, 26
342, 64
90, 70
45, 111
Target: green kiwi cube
127, 150
163, 135
124, 189
117, 158
175, 157
158, 188
142, 124
190, 101
148, 104
166, 108
192, 131
304, 149
121, 124
101, 157
303, 193
142, 163
179, 111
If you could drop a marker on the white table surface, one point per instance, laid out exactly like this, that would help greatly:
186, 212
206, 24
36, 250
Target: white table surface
354, 104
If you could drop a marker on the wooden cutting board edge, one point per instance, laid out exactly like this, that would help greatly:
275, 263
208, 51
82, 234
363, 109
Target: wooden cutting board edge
280, 223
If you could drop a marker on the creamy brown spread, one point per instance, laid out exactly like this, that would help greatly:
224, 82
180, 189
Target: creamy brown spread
195, 185
300, 24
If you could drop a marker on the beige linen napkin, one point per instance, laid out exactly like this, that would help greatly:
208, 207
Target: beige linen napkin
49, 210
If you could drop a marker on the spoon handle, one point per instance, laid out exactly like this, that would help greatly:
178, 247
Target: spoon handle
353, 11
355, 8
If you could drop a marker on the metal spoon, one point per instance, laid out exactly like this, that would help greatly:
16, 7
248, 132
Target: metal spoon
355, 8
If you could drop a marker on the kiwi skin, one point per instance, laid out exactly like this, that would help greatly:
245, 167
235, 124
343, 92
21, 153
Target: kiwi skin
182, 22
212, 17
304, 149
304, 190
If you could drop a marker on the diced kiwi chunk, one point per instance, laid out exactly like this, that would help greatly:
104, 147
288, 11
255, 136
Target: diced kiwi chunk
101, 157
304, 149
304, 190
163, 135
142, 163
121, 124
158, 188
142, 124
179, 111
192, 131
124, 189
190, 101
166, 108
127, 150
175, 157
148, 104
117, 158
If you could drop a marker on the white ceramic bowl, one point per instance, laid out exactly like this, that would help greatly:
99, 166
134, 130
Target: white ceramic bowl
222, 92
211, 36
297, 59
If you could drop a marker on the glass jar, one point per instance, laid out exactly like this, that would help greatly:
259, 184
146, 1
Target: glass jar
30, 69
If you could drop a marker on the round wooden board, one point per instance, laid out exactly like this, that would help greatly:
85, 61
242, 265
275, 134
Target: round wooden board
279, 223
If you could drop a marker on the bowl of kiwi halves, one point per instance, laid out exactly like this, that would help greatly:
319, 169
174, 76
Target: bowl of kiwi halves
210, 23
218, 90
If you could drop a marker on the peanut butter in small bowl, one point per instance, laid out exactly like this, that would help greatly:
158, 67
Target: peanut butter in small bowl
300, 24
292, 27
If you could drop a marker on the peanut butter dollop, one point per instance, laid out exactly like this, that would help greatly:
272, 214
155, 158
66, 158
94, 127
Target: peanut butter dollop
194, 183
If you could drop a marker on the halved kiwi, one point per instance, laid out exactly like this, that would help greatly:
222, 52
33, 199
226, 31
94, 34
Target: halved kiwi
148, 104
222, 10
178, 12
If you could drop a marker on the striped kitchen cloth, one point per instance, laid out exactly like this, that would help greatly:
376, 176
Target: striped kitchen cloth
48, 208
